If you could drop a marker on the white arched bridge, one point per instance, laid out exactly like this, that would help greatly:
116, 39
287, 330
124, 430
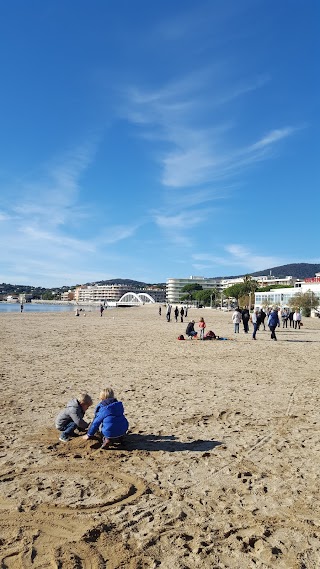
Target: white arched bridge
135, 299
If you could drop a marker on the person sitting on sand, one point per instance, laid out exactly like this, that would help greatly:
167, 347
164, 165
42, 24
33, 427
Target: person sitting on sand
71, 417
109, 418
190, 331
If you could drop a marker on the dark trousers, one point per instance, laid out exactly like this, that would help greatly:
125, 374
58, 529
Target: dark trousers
297, 324
255, 328
246, 326
273, 333
285, 323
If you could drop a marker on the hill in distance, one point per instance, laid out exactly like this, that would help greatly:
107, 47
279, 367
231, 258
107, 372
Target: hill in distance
295, 270
127, 282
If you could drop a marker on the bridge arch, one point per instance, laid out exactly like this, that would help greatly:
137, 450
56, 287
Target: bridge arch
134, 298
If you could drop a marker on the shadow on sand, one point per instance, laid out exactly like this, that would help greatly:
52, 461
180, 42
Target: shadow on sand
303, 341
133, 441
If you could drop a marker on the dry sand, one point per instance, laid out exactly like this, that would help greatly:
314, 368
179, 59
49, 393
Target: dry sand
221, 465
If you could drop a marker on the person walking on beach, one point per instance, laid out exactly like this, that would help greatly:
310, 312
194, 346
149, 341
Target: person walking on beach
186, 311
297, 319
245, 319
176, 313
71, 417
159, 310
168, 313
291, 313
256, 323
284, 318
236, 319
101, 310
181, 313
21, 308
273, 322
202, 326
262, 318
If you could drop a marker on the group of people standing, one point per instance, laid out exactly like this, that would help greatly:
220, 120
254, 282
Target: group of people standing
294, 318
258, 319
183, 313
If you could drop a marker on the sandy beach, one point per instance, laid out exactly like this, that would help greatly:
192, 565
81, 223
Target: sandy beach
221, 464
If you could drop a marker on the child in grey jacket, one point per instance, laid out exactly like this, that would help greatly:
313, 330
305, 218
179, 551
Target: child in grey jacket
71, 417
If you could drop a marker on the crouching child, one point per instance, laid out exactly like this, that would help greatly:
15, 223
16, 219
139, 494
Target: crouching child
109, 419
71, 417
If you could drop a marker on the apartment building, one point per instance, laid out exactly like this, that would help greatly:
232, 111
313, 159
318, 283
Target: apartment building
112, 293
67, 296
174, 286
100, 293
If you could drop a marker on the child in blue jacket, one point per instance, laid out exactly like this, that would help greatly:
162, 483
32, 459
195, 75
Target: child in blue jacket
109, 418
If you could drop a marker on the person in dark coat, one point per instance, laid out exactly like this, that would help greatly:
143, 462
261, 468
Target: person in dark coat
291, 313
245, 315
273, 322
262, 318
190, 331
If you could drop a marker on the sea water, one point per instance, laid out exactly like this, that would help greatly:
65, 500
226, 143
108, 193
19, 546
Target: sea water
30, 307
43, 307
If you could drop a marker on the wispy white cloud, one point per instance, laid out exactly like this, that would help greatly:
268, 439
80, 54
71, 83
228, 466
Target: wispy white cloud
68, 244
5, 216
198, 143
238, 256
179, 228
183, 220
273, 136
46, 217
116, 233
254, 262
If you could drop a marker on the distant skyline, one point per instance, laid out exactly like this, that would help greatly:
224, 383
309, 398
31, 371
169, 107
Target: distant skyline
155, 140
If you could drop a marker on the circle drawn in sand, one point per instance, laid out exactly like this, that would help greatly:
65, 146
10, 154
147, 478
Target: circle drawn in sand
62, 489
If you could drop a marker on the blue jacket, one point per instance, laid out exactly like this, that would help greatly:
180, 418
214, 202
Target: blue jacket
273, 319
109, 416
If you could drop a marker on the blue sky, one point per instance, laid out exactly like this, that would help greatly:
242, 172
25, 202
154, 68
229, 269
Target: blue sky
150, 139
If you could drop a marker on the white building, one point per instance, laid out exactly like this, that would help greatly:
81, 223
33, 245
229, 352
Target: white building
281, 296
174, 286
100, 293
112, 293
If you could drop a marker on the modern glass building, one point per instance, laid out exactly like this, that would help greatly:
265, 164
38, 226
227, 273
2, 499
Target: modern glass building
281, 297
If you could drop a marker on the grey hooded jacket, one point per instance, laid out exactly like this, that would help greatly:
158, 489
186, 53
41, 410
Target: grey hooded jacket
72, 412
